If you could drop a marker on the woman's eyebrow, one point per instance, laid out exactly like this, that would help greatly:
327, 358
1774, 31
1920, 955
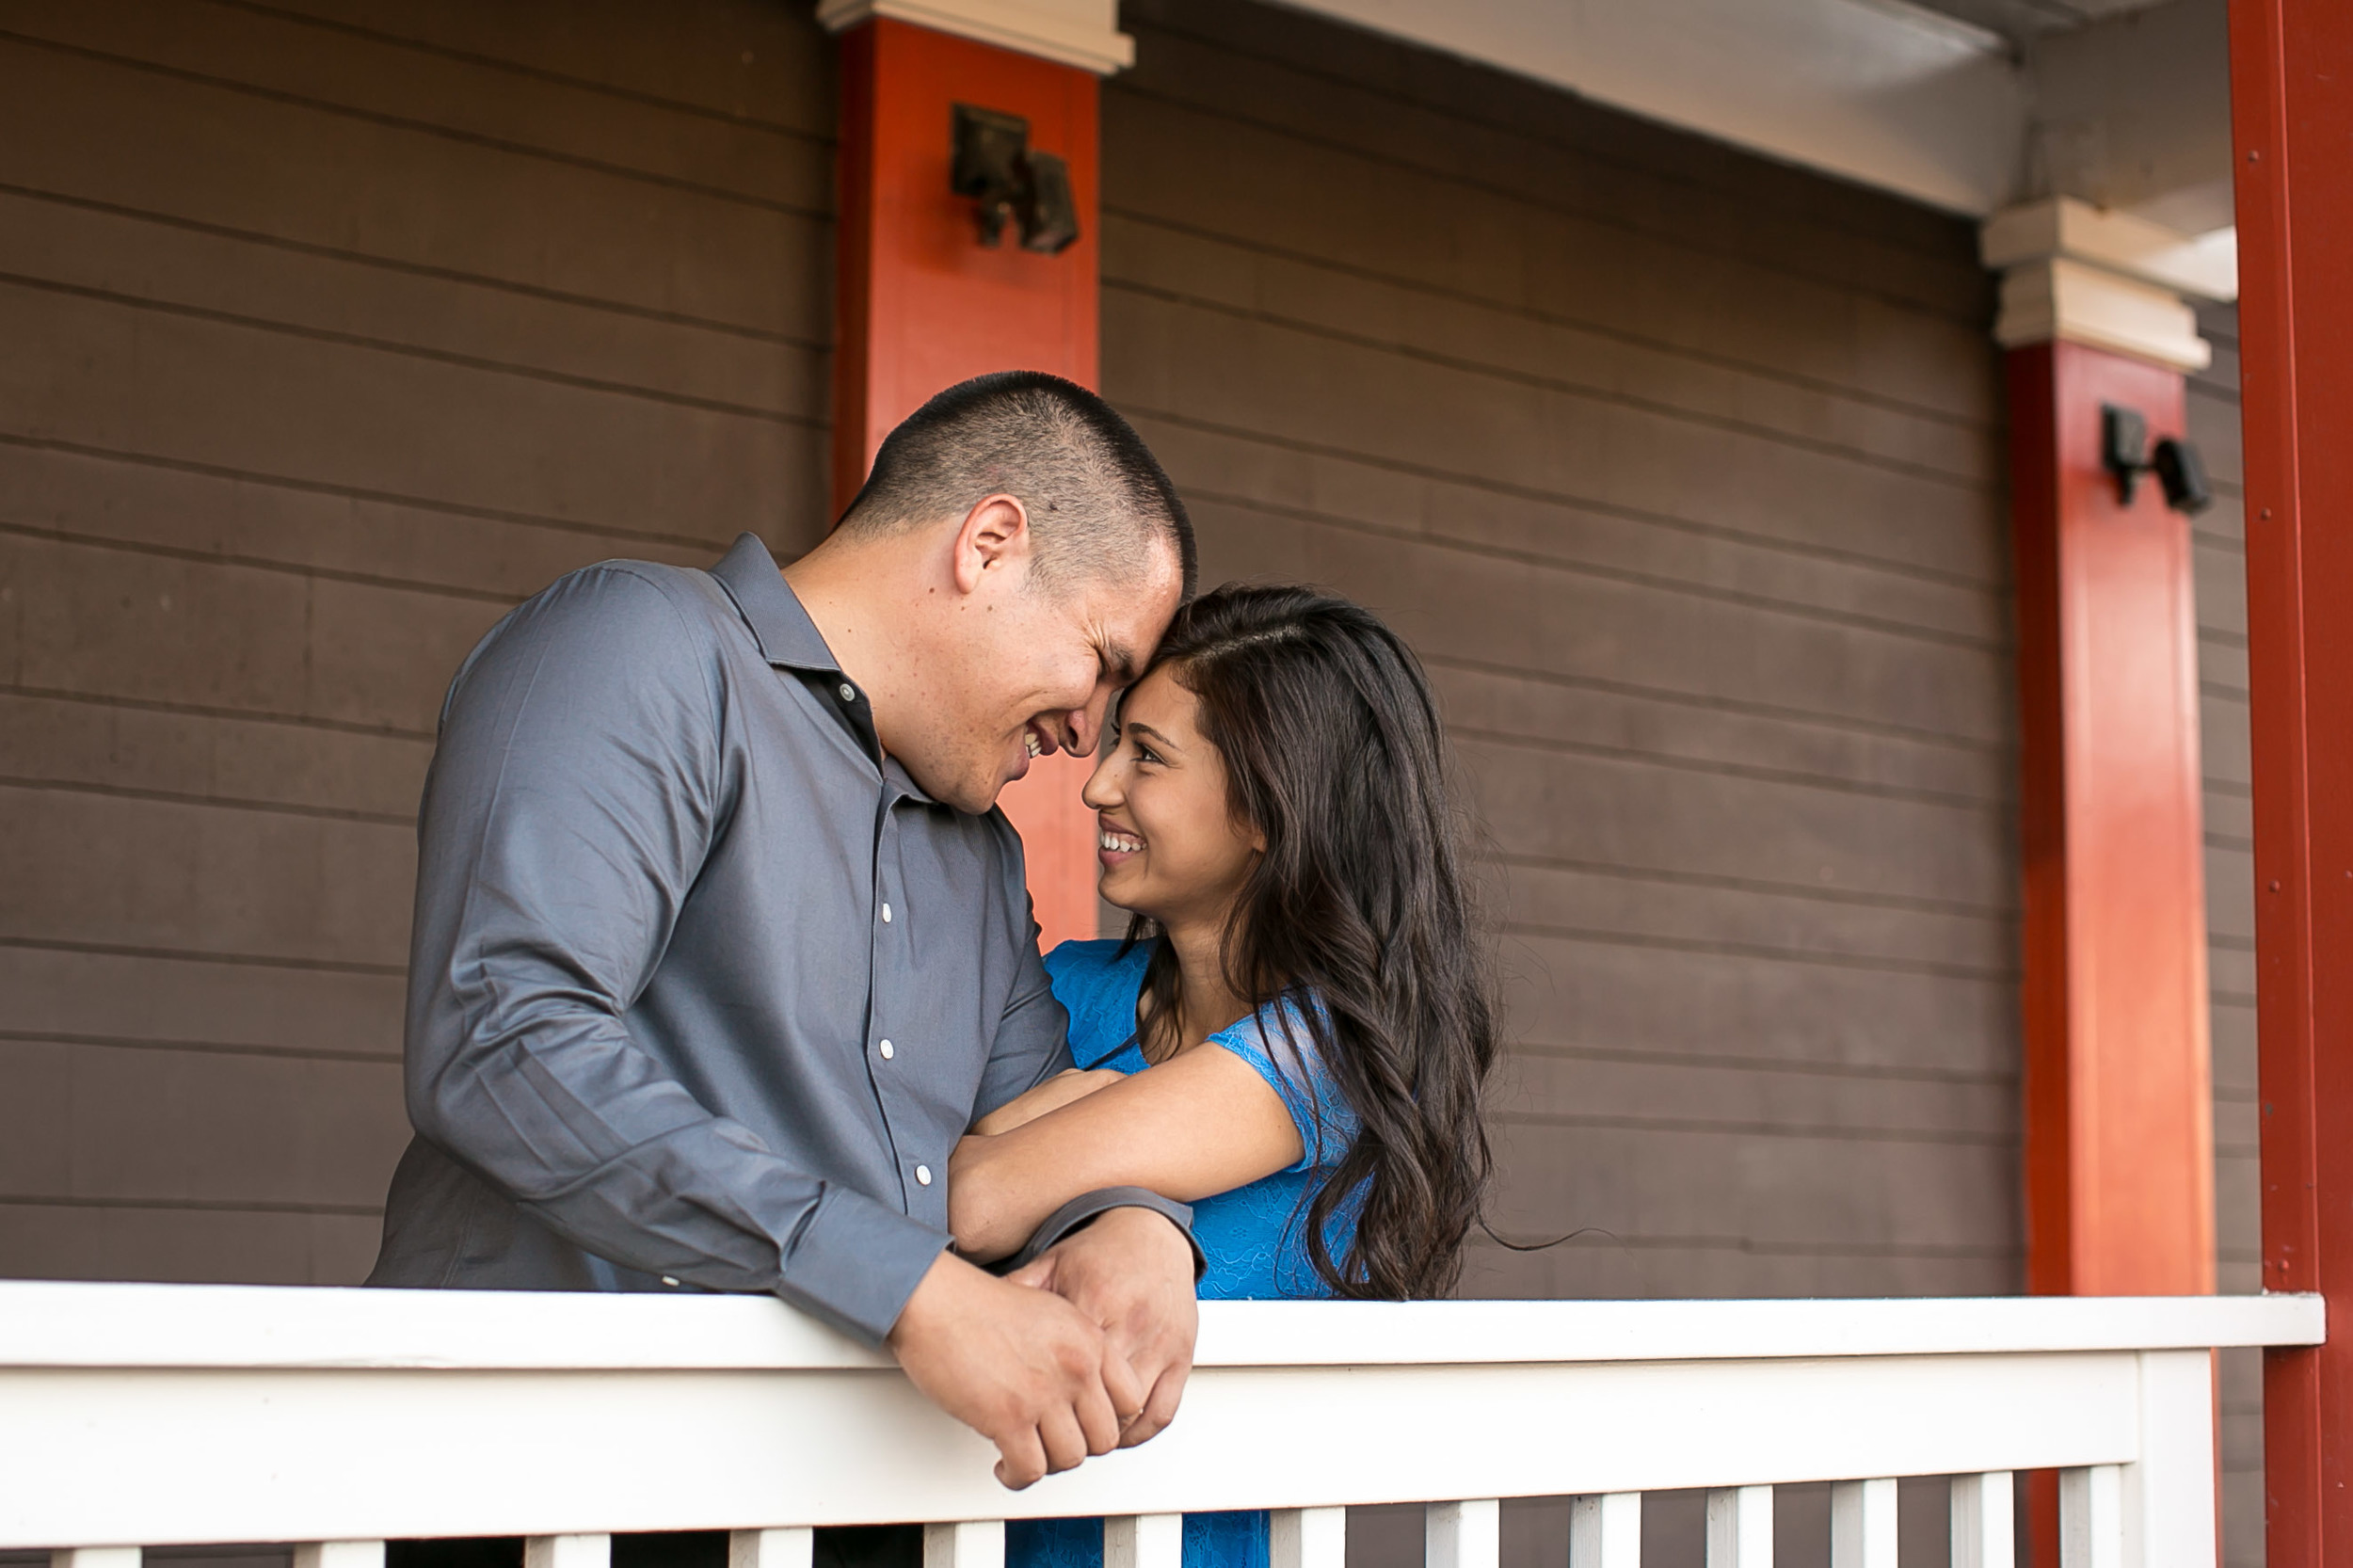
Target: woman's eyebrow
1133, 728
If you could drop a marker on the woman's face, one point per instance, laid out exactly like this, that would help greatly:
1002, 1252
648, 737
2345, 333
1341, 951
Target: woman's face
1169, 847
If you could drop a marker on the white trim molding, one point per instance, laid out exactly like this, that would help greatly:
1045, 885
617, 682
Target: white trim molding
2205, 265
2073, 273
1084, 33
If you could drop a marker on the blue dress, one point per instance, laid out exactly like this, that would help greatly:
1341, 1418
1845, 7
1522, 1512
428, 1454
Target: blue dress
1253, 1237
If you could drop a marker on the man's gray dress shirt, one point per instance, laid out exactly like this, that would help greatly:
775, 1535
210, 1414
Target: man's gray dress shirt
703, 988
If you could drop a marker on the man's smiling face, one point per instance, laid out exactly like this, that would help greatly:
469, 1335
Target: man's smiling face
1036, 669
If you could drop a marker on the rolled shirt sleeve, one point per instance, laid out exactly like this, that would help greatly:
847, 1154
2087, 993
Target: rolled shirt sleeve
579, 786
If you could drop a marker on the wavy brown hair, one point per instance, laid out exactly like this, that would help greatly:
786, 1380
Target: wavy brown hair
1359, 912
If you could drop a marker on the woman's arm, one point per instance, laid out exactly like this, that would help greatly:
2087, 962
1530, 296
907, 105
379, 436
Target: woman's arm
1202, 1123
1070, 1084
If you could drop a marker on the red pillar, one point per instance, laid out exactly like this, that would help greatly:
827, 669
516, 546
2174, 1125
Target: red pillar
921, 304
2118, 1117
2118, 1108
2292, 107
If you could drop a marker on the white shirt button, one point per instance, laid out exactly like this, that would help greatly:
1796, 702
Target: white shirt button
849, 693
887, 1051
667, 1280
886, 914
923, 1176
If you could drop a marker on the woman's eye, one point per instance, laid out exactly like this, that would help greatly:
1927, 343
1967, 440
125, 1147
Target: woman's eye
1145, 753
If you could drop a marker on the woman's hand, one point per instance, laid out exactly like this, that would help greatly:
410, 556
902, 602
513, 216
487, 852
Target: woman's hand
1074, 1083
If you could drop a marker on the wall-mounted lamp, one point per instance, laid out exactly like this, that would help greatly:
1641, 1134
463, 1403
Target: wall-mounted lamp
2124, 453
995, 165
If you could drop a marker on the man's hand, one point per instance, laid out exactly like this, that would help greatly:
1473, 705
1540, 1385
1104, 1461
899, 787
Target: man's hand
1025, 1369
1131, 1271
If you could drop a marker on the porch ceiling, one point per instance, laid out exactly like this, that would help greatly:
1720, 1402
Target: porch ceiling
1971, 106
2021, 21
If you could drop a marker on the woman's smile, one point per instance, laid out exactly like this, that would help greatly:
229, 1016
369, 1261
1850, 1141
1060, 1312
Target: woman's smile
1117, 843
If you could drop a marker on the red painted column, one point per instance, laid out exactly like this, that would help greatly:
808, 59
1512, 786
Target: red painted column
2292, 107
2118, 1118
2118, 1102
921, 304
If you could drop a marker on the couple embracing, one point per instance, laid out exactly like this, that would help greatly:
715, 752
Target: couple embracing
724, 975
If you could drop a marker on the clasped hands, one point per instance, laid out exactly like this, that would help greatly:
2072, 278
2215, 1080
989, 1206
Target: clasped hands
1083, 1351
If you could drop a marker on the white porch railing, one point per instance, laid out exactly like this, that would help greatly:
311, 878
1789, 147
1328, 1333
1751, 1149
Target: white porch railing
137, 1416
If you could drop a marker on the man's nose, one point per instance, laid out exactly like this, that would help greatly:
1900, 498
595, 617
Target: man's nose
1085, 726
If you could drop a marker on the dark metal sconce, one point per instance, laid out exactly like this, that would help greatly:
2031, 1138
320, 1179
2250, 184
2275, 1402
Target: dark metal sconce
995, 166
2182, 475
2124, 453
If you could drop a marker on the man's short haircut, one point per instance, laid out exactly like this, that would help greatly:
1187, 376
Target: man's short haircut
1097, 497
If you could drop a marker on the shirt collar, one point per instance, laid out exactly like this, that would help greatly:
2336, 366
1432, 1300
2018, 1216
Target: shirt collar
787, 637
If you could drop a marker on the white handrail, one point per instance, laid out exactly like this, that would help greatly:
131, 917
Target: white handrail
45, 1323
144, 1415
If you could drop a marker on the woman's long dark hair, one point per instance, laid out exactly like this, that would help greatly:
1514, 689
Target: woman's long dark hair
1358, 911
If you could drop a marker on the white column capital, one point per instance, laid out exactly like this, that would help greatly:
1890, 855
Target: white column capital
1084, 33
2072, 271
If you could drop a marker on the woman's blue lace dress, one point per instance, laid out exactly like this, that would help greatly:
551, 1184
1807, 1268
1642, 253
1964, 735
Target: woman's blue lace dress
1253, 1237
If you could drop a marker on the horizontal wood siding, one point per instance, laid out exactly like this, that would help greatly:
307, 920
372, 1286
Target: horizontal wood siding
335, 327
1683, 471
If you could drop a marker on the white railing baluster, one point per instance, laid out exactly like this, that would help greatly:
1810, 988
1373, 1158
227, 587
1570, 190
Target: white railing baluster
1740, 1528
339, 1554
1307, 1538
1606, 1530
1463, 1535
967, 1544
2092, 1517
2169, 1497
779, 1549
95, 1556
1984, 1528
568, 1551
1144, 1541
1863, 1523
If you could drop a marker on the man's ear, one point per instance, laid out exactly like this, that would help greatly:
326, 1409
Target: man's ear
993, 537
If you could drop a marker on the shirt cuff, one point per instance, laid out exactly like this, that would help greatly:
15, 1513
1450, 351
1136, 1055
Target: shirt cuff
1087, 1206
855, 1261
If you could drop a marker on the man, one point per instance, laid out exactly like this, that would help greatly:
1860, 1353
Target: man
720, 943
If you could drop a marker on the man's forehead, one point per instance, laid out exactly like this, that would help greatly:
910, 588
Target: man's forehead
1125, 618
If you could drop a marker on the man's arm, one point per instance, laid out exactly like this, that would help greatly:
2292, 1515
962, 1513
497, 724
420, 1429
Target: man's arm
573, 798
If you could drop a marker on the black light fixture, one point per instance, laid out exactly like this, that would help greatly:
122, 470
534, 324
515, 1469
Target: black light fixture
2183, 475
2124, 453
993, 164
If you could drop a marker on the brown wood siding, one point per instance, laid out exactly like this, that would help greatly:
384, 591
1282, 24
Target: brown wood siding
1683, 471
333, 328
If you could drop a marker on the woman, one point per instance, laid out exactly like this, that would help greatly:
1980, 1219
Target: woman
1294, 1033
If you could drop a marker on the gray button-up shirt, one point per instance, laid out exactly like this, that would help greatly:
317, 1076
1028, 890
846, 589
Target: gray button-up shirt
703, 988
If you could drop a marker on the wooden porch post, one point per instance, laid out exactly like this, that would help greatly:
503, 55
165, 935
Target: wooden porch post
2118, 1113
2292, 107
921, 304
